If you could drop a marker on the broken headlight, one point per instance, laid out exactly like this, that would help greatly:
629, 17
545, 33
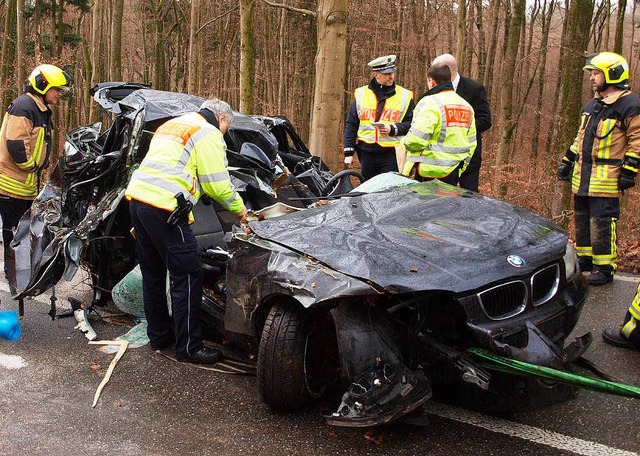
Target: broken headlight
570, 262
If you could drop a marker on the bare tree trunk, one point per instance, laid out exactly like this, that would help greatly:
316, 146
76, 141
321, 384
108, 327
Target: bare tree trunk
547, 15
89, 75
116, 41
329, 81
193, 45
37, 20
7, 55
527, 54
575, 43
281, 70
247, 56
494, 7
461, 33
607, 24
506, 100
633, 45
59, 28
622, 8
20, 45
482, 51
96, 53
159, 67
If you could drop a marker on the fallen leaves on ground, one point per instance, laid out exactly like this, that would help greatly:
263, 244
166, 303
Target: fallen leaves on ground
375, 437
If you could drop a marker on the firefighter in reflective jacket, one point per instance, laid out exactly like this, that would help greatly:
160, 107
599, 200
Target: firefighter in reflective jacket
25, 147
442, 137
186, 158
380, 114
604, 158
627, 335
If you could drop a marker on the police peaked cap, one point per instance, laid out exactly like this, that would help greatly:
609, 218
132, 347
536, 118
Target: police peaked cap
384, 64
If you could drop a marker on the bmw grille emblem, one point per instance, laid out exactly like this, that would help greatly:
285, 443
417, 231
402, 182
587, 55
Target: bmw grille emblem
515, 261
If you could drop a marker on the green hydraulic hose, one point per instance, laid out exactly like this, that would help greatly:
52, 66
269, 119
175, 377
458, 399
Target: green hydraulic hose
513, 366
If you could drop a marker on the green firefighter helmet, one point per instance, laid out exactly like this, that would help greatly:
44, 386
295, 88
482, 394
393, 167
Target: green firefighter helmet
614, 67
46, 76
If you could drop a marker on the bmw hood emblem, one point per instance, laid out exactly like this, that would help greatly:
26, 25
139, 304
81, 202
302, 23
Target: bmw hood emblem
515, 261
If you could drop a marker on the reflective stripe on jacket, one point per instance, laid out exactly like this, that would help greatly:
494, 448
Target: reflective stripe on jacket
395, 107
442, 135
188, 155
609, 131
25, 146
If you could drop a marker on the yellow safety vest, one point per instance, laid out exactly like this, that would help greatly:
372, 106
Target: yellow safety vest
187, 155
442, 135
393, 112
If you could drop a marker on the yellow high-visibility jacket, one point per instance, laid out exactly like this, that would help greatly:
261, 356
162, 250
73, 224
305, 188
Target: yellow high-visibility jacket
393, 112
442, 135
25, 146
188, 155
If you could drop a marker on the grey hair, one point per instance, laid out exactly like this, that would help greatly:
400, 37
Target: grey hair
218, 108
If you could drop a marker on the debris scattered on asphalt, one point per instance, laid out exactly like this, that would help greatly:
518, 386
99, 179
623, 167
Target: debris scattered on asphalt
375, 437
83, 324
12, 361
228, 366
136, 337
123, 347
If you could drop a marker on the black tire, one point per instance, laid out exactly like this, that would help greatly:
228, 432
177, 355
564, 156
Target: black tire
280, 371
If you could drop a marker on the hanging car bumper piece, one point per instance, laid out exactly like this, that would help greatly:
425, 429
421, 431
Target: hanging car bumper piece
527, 362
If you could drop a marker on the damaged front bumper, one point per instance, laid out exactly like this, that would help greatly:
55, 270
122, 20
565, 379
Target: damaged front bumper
385, 388
383, 394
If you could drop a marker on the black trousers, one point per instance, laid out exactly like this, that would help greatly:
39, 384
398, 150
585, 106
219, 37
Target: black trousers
470, 178
163, 248
374, 162
11, 211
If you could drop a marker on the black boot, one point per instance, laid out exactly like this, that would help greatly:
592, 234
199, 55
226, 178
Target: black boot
205, 355
614, 337
598, 277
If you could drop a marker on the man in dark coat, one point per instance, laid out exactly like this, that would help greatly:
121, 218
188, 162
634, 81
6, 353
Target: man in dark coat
476, 95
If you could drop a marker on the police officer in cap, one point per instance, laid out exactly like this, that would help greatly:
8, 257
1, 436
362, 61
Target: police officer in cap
380, 114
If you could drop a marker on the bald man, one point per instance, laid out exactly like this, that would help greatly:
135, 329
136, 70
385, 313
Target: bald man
476, 95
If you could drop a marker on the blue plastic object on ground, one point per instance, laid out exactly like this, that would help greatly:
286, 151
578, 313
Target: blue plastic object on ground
9, 326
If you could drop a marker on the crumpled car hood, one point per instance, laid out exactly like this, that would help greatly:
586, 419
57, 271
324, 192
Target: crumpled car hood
424, 236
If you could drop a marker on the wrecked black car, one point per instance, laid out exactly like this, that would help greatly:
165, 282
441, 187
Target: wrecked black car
377, 294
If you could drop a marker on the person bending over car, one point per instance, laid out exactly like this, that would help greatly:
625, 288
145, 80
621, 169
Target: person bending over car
186, 158
25, 148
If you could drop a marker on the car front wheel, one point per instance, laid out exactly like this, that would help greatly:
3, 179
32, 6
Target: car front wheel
281, 358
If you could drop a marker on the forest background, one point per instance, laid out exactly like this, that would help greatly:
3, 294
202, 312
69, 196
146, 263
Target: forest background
304, 58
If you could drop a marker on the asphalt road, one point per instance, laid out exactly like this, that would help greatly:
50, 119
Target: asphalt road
153, 406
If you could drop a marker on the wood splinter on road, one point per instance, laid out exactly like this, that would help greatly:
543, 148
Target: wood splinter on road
123, 347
